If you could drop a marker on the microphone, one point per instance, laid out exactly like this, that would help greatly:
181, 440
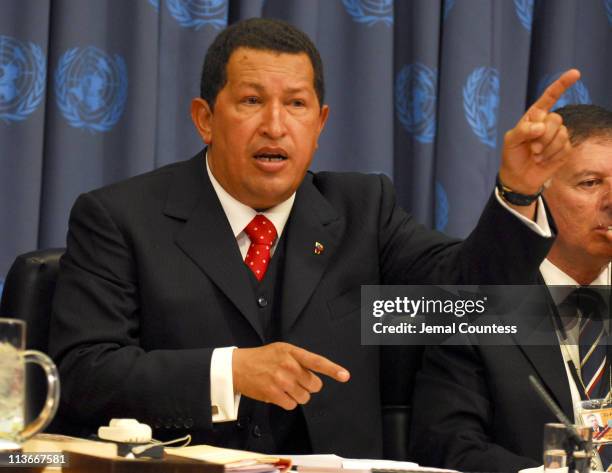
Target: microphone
556, 410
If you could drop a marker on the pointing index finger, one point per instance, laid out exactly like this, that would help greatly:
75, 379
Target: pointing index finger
555, 90
320, 364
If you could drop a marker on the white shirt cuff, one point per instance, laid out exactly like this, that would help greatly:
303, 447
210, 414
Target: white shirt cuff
223, 401
540, 226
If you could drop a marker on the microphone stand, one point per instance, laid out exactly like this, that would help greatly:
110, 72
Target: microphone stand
574, 443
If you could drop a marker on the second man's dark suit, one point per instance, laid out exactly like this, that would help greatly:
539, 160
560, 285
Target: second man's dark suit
475, 409
153, 281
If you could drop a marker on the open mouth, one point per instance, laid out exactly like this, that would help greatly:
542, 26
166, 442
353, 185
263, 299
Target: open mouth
270, 157
270, 154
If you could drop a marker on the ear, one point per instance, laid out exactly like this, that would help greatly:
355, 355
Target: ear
202, 115
322, 120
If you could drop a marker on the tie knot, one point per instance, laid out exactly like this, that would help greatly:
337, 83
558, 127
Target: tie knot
261, 231
590, 301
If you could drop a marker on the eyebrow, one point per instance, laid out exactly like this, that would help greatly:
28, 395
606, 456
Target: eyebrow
585, 173
260, 88
253, 85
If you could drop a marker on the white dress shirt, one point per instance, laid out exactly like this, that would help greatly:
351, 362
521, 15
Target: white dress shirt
553, 276
224, 401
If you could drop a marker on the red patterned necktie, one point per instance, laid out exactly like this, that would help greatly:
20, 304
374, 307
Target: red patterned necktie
262, 235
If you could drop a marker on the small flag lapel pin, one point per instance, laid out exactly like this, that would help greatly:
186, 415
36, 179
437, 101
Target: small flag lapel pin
318, 249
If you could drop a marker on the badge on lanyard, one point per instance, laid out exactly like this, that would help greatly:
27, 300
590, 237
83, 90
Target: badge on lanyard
597, 414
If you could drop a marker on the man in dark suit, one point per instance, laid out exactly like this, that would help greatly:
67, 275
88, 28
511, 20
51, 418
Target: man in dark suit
209, 296
474, 408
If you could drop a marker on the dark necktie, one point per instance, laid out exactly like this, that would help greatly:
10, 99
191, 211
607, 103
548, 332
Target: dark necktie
593, 349
262, 234
594, 363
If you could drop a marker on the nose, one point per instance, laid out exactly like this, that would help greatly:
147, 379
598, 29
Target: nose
605, 204
273, 122
606, 197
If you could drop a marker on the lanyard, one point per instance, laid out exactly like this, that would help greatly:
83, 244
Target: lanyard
570, 362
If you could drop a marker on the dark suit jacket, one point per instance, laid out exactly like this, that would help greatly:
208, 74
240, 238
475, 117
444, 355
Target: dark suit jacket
152, 281
475, 409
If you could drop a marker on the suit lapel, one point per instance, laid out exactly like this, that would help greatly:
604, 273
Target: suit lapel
313, 225
548, 364
207, 237
547, 360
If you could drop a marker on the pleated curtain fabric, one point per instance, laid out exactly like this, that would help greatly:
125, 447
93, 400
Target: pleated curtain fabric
94, 91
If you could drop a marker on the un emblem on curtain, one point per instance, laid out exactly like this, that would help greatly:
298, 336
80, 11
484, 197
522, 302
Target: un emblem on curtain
370, 12
524, 12
481, 103
199, 13
609, 10
442, 207
23, 75
91, 88
415, 100
448, 6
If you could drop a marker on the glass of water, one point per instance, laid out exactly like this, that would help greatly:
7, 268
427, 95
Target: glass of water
557, 444
13, 357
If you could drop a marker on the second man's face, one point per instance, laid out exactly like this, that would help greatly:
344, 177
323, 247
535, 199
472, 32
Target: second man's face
264, 129
580, 200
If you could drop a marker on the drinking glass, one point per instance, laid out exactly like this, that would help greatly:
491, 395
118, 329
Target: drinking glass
13, 357
557, 444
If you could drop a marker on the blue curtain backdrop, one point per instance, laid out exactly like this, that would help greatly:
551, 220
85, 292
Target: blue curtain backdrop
93, 91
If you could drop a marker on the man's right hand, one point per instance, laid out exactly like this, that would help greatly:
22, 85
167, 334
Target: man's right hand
281, 373
538, 145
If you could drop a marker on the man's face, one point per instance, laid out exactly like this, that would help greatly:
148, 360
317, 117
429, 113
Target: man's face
580, 200
264, 129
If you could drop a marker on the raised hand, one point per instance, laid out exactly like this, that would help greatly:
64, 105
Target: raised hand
539, 143
281, 373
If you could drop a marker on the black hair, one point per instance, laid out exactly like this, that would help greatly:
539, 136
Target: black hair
586, 121
256, 33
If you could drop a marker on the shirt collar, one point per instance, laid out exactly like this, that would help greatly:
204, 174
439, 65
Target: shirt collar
239, 215
554, 276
